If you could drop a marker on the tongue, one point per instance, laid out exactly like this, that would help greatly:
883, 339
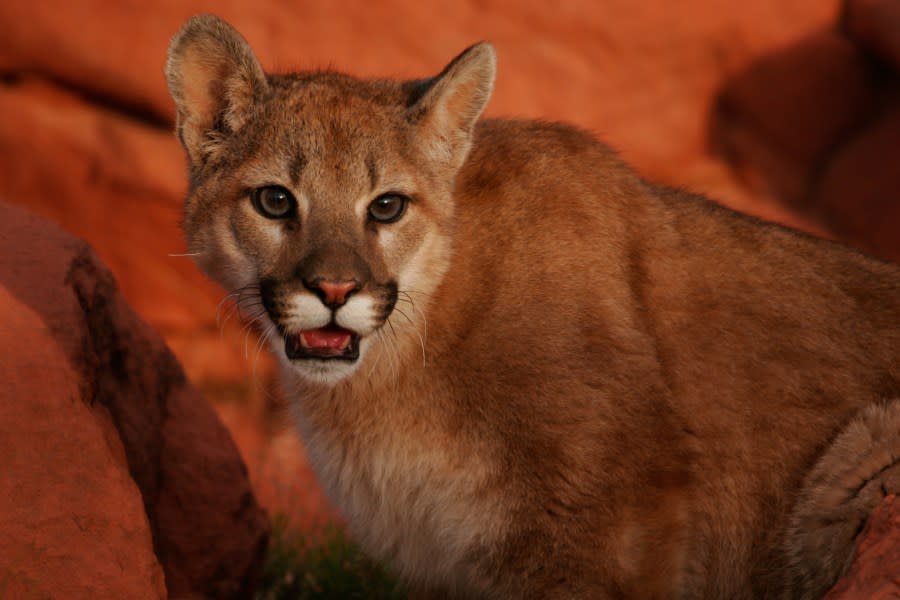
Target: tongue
331, 338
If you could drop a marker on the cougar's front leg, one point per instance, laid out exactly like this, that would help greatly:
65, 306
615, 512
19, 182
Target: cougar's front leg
860, 467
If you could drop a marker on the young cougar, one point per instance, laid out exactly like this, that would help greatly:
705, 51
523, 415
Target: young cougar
521, 370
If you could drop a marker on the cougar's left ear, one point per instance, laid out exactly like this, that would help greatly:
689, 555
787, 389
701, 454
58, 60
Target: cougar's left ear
215, 81
446, 111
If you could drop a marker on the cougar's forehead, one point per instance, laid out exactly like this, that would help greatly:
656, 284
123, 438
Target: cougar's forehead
325, 136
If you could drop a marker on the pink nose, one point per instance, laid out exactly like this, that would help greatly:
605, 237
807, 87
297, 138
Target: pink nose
333, 293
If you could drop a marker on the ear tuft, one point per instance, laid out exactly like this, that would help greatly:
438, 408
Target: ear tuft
215, 81
447, 110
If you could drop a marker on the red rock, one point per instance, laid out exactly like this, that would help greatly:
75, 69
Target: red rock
108, 178
875, 24
859, 192
875, 572
72, 521
779, 119
816, 126
641, 74
89, 356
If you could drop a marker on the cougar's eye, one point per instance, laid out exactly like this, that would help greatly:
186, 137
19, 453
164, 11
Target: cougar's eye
388, 208
274, 202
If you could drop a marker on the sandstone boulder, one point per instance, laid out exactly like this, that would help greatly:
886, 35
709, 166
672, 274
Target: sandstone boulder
874, 573
859, 191
779, 119
72, 521
118, 466
875, 25
815, 125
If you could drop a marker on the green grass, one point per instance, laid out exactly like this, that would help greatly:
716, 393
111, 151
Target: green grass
330, 566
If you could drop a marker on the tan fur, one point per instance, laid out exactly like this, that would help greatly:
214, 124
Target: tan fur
572, 383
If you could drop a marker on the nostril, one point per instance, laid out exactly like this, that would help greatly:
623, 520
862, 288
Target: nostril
333, 293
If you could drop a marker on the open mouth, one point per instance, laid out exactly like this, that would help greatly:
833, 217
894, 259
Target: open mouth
324, 343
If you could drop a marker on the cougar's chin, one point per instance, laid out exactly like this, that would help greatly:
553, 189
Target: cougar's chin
331, 342
322, 365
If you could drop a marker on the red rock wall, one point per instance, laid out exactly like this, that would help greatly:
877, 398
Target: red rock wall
118, 480
85, 133
816, 125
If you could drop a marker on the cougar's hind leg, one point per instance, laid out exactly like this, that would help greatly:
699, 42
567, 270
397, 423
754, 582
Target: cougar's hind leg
856, 471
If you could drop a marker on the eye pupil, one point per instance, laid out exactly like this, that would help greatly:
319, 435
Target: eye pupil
388, 208
274, 202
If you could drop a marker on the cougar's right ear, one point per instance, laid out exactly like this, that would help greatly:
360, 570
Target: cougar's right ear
215, 81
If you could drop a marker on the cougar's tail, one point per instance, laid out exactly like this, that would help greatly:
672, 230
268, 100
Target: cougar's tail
857, 470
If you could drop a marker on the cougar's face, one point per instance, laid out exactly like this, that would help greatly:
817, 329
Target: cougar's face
324, 211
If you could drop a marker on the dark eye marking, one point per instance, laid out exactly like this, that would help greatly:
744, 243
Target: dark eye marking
274, 202
388, 208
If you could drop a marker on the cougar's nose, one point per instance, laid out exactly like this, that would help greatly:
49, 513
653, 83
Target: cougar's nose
332, 293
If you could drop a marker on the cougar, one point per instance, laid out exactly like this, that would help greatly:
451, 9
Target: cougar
519, 369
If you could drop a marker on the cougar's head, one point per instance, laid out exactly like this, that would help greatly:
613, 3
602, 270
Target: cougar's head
325, 198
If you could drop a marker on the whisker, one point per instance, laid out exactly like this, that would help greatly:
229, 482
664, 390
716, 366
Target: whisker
248, 328
248, 302
223, 300
232, 310
377, 359
416, 292
404, 315
242, 296
392, 356
386, 344
396, 347
230, 314
259, 344
381, 346
421, 314
188, 254
421, 341
220, 325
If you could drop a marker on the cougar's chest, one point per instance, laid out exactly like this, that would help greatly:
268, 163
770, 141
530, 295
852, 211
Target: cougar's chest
412, 494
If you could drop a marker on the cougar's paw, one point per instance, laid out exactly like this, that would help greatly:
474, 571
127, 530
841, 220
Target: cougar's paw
860, 468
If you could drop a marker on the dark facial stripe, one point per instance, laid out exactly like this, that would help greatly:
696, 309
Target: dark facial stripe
295, 169
372, 170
